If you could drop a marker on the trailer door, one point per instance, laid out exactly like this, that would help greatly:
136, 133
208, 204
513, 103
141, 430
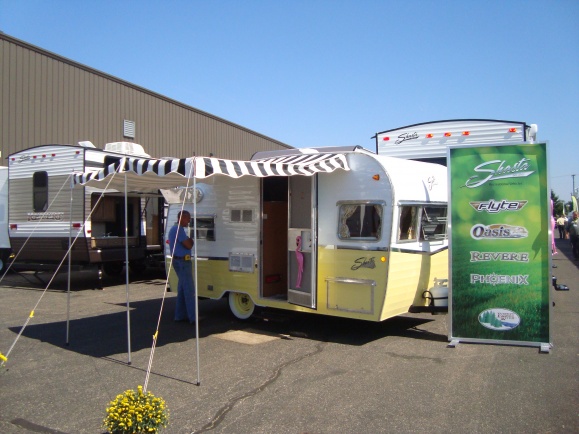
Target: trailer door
301, 241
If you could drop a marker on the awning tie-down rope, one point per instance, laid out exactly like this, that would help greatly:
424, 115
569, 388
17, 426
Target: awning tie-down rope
31, 315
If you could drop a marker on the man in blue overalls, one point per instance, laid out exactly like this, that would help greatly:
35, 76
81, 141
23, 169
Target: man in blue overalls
181, 246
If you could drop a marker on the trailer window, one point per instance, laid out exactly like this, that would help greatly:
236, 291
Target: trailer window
433, 223
422, 222
241, 215
407, 228
40, 191
360, 221
205, 228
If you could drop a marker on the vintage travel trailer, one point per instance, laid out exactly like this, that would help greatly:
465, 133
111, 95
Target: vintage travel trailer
46, 212
429, 141
4, 240
334, 231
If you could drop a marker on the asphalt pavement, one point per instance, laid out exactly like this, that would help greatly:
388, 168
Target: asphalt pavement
277, 373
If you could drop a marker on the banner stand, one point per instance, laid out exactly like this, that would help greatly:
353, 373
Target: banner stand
500, 256
543, 347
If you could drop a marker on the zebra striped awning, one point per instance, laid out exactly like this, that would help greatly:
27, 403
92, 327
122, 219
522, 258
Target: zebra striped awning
289, 165
148, 174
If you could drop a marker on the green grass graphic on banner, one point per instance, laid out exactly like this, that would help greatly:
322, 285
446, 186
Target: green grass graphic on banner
500, 248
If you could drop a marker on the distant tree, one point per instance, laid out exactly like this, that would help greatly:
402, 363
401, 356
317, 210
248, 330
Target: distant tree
557, 204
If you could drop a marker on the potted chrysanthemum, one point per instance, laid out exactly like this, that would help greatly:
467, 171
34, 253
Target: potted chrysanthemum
136, 412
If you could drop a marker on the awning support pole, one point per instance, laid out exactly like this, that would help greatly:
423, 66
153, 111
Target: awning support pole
195, 269
69, 265
127, 270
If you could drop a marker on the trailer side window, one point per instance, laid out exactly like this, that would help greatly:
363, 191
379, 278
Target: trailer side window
360, 221
408, 223
241, 215
205, 228
40, 191
433, 224
422, 222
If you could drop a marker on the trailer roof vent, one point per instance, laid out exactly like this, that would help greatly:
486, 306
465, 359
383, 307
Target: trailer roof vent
87, 144
129, 129
126, 148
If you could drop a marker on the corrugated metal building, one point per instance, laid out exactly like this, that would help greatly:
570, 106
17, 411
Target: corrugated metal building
48, 99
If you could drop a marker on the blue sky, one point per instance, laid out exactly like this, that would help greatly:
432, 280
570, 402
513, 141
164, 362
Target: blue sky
331, 73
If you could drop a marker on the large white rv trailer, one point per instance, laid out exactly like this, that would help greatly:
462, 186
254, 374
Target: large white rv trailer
45, 211
429, 141
367, 243
4, 240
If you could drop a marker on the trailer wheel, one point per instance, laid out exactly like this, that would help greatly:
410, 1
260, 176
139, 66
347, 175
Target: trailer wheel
4, 256
113, 268
241, 305
138, 266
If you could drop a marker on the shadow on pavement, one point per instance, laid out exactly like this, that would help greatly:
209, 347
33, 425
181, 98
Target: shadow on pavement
564, 251
80, 280
342, 330
106, 335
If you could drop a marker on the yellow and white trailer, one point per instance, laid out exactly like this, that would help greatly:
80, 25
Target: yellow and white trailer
334, 231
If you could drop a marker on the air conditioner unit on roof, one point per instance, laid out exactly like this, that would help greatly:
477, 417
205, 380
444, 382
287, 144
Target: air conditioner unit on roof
126, 148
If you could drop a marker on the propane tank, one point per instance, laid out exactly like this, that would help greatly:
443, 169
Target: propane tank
439, 292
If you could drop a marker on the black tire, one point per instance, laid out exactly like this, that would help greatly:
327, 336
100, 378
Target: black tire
4, 256
138, 266
113, 269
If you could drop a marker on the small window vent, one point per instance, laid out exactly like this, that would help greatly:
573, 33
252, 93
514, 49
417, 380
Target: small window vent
129, 129
242, 215
242, 262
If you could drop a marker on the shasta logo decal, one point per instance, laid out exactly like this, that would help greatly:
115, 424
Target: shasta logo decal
497, 169
406, 136
364, 263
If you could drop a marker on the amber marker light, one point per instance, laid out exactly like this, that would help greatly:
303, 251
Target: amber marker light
383, 259
376, 177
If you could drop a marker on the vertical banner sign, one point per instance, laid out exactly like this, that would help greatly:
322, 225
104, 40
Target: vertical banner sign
500, 248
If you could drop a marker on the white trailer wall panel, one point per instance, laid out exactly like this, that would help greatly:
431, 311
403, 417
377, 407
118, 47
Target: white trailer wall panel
431, 140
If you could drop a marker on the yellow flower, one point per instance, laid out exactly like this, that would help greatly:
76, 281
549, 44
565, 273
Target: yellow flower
136, 412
